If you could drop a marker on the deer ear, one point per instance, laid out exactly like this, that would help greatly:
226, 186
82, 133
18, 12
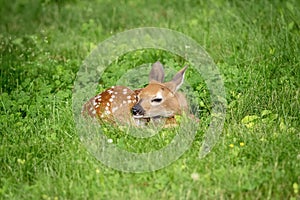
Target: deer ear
157, 73
177, 80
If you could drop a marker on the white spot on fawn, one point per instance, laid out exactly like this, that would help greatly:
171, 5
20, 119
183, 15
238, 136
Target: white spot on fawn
129, 101
107, 112
124, 91
111, 100
124, 102
107, 104
115, 92
94, 112
106, 108
113, 96
128, 97
114, 109
109, 91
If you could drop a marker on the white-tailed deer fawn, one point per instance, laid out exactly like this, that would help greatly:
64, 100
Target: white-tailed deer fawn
157, 101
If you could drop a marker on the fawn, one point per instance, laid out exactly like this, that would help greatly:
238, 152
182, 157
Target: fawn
156, 102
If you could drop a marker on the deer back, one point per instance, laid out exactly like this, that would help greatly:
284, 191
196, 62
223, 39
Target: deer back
114, 104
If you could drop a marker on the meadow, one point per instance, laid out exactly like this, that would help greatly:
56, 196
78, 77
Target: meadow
254, 44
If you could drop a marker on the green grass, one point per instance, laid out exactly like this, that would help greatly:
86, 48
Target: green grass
256, 47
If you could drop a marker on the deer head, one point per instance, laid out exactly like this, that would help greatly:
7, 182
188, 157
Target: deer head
157, 100
160, 99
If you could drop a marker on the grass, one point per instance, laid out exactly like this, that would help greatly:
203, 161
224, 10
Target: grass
256, 47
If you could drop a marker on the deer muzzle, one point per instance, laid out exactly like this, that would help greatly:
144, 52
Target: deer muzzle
137, 110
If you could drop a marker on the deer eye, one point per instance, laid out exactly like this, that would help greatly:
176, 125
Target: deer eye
156, 100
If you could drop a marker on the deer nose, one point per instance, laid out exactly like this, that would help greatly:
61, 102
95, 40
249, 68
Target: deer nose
137, 109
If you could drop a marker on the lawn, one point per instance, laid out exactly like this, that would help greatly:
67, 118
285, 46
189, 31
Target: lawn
254, 44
